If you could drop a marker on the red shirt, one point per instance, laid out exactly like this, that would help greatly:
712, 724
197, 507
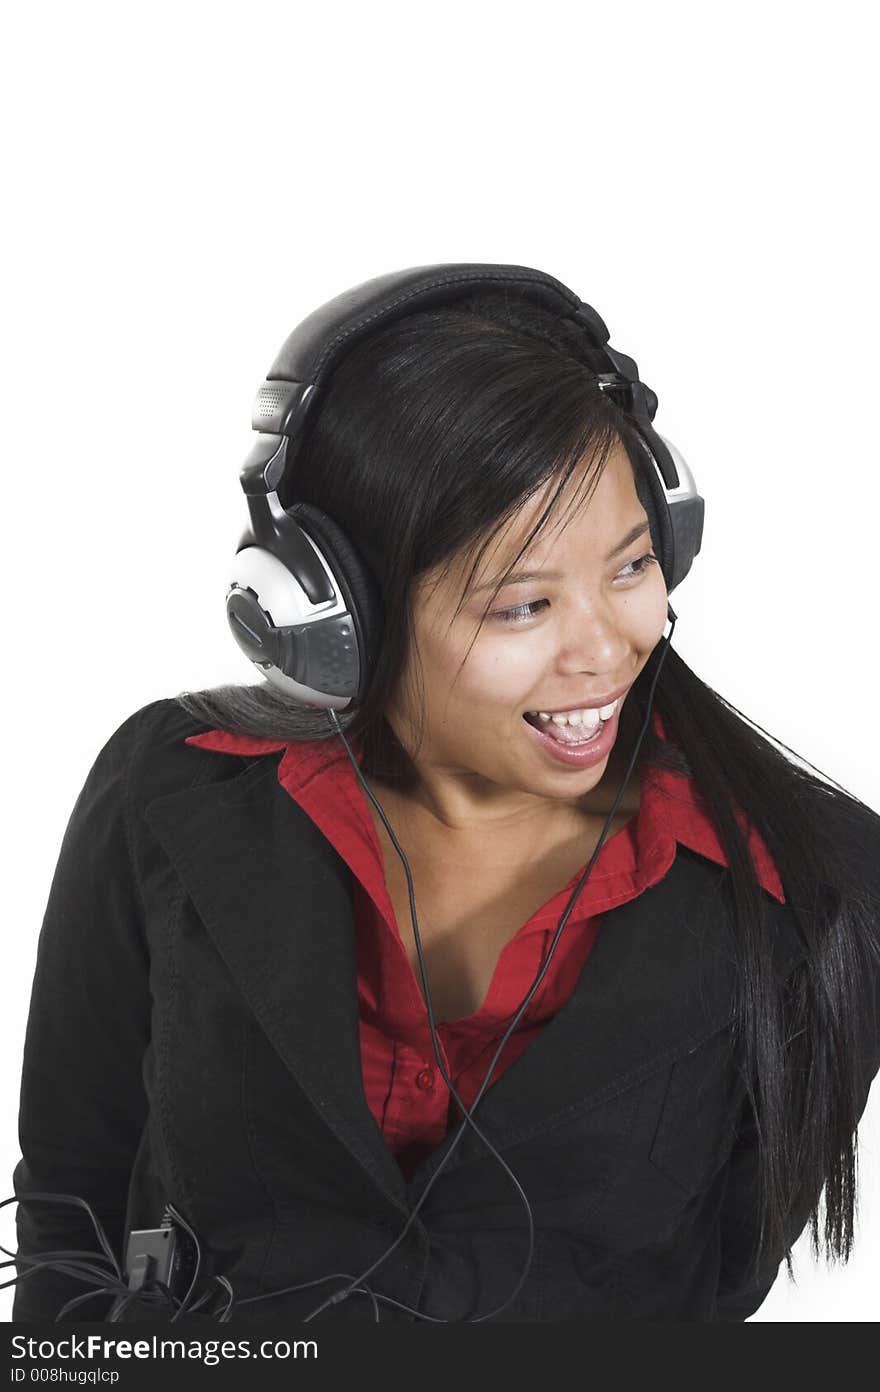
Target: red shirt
411, 1103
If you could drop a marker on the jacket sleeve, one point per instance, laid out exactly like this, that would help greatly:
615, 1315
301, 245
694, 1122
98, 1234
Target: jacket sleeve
741, 1290
82, 1103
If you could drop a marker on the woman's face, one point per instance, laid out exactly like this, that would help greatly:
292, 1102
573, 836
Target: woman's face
584, 627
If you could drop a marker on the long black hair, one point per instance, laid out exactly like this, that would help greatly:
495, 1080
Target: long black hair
431, 435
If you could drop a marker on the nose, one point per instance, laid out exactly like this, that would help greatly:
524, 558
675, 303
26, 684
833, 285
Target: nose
593, 643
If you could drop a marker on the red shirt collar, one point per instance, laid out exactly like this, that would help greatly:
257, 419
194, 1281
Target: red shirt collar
670, 805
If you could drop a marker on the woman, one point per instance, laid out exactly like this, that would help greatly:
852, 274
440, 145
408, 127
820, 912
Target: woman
246, 1008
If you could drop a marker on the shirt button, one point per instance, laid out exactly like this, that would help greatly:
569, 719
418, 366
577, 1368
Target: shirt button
425, 1079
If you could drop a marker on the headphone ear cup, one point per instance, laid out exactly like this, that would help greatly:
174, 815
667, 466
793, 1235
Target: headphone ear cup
648, 483
358, 587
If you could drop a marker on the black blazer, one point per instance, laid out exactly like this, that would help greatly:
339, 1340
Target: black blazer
193, 1037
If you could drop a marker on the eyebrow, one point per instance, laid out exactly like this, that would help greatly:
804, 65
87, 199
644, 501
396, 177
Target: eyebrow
516, 576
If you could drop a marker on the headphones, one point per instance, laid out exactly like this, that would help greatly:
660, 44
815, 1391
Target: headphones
303, 607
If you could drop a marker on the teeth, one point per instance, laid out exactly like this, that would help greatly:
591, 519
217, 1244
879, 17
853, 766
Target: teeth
585, 716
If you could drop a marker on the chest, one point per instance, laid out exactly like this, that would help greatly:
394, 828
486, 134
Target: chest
468, 911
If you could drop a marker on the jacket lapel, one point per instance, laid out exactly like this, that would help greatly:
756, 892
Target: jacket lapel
276, 899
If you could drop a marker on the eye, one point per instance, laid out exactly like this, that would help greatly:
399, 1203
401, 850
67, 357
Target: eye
521, 612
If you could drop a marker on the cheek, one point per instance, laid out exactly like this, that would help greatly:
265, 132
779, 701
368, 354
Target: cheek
646, 617
501, 664
496, 671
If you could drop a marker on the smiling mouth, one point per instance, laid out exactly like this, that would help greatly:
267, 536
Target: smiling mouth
566, 734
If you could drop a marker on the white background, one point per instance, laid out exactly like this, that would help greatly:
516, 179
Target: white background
184, 183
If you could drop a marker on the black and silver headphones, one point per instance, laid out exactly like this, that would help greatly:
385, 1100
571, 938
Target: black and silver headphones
301, 603
303, 607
